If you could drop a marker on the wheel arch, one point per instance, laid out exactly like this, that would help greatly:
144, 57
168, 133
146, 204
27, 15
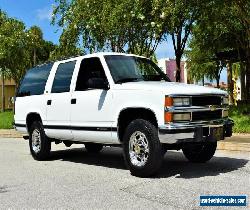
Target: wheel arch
129, 114
31, 117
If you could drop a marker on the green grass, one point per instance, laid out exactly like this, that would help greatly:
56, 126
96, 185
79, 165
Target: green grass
6, 120
241, 117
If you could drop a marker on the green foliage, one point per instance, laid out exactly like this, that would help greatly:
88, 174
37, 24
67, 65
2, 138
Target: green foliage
223, 26
122, 25
6, 120
241, 117
20, 48
202, 59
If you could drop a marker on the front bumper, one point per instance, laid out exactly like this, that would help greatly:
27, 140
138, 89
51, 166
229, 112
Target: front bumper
214, 130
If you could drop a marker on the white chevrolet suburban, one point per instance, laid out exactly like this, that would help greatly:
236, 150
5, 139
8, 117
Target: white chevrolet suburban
109, 99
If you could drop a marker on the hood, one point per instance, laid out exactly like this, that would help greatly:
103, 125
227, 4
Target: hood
170, 88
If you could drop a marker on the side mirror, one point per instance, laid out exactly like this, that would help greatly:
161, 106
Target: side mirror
98, 83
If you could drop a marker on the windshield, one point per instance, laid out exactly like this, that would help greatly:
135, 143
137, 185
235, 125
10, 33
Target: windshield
132, 69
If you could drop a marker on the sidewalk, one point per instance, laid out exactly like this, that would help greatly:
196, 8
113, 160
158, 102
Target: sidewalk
238, 142
10, 133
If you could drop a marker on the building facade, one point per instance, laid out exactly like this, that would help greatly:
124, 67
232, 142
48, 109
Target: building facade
168, 66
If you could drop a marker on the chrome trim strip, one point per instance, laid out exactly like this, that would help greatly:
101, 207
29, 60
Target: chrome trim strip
185, 125
192, 109
196, 95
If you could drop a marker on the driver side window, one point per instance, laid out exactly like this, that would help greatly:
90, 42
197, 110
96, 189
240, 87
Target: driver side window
90, 68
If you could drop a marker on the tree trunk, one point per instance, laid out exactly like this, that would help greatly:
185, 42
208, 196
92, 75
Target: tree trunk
230, 82
34, 57
243, 81
218, 82
248, 79
3, 93
178, 68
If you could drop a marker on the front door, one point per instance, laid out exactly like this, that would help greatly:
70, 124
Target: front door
91, 108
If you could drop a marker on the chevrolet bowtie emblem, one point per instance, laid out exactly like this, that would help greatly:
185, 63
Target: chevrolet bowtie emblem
212, 107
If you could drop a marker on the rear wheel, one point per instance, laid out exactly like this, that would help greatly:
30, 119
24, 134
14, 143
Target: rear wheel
200, 152
93, 148
142, 148
39, 144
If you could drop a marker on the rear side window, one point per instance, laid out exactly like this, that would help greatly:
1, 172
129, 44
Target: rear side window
34, 81
63, 77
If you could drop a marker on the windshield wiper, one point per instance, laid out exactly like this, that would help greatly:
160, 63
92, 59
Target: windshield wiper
123, 80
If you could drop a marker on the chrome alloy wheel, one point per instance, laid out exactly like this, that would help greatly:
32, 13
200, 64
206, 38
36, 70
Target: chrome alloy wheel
138, 149
36, 141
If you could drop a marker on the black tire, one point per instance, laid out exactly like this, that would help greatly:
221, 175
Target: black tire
154, 156
93, 147
164, 149
42, 150
199, 152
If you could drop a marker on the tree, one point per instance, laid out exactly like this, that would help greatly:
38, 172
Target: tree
20, 49
66, 48
202, 63
11, 47
179, 17
223, 31
239, 26
120, 26
35, 37
202, 56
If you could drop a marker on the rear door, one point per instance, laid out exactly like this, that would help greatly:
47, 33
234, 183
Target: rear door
59, 101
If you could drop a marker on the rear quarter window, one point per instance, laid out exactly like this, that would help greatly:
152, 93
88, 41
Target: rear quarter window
34, 81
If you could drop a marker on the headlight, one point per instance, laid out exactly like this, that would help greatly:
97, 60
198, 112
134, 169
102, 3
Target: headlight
225, 100
181, 102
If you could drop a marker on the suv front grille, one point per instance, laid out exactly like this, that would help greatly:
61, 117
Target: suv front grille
206, 100
206, 115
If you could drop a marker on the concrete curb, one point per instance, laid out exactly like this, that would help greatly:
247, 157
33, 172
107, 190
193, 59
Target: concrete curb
10, 133
234, 146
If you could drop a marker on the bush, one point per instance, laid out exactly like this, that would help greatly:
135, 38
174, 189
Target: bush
241, 116
6, 120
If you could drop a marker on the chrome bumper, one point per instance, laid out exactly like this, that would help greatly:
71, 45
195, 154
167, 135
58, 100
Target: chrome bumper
214, 130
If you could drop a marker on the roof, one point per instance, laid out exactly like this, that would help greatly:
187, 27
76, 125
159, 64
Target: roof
98, 54
109, 53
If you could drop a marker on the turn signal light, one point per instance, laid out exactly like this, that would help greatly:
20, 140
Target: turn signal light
168, 117
168, 101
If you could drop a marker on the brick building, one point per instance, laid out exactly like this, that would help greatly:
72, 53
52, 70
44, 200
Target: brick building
168, 65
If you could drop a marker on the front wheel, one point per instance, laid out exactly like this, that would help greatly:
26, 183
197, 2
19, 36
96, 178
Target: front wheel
142, 148
39, 144
200, 152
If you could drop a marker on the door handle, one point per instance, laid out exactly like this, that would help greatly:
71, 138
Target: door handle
73, 101
49, 102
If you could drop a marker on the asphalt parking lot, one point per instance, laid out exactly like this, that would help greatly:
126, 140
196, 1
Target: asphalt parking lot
75, 179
